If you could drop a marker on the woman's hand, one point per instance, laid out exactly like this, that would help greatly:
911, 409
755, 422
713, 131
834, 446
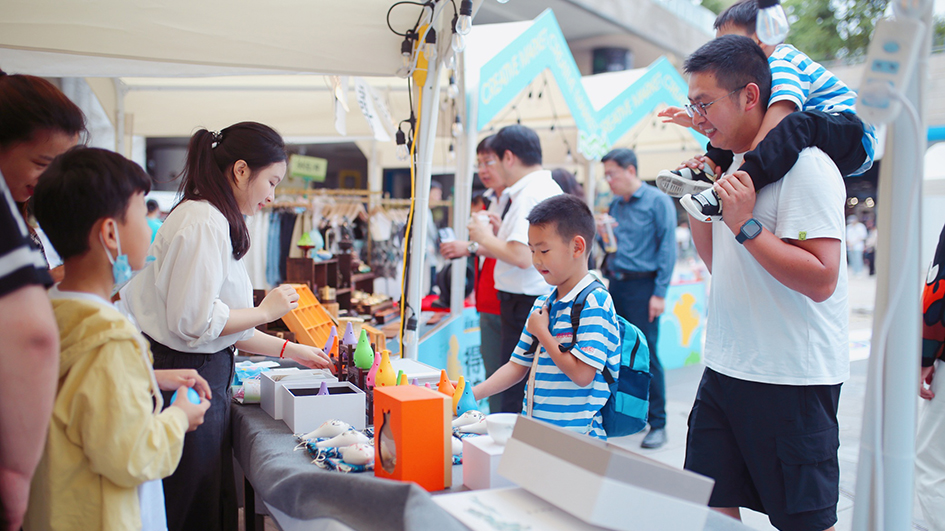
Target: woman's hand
172, 379
311, 357
278, 302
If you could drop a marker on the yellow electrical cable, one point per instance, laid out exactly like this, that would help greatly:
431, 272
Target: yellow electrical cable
413, 198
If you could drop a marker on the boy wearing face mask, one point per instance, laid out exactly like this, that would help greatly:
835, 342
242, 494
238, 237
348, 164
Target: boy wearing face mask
109, 442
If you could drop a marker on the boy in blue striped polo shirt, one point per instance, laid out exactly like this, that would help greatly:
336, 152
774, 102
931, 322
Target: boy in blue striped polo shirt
808, 107
566, 389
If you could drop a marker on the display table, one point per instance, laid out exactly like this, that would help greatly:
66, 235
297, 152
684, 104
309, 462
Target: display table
301, 495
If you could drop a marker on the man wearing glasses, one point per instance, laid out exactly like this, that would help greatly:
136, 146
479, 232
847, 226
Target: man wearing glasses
764, 422
517, 164
640, 270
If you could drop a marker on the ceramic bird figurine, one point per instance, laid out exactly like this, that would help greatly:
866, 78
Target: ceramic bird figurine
323, 389
476, 427
349, 338
458, 393
469, 417
445, 387
347, 438
329, 428
358, 454
385, 372
372, 374
363, 355
329, 345
467, 402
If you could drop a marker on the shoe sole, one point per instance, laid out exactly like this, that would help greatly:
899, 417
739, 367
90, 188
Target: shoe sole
677, 186
692, 207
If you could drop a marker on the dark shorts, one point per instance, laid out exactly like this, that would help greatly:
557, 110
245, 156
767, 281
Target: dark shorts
770, 448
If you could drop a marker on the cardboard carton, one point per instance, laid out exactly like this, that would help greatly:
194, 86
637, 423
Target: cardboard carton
603, 484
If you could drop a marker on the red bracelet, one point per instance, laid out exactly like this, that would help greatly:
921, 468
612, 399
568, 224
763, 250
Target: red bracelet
284, 345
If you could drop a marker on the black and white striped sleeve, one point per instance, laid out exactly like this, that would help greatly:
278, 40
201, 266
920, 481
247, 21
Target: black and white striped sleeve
21, 263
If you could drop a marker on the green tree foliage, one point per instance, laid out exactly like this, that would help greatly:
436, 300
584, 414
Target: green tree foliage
833, 29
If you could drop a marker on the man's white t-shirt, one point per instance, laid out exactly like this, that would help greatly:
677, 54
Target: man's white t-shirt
760, 330
525, 194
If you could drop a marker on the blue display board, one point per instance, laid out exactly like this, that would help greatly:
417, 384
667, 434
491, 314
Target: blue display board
455, 347
682, 325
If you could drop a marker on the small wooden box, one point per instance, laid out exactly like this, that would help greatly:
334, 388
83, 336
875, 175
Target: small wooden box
413, 424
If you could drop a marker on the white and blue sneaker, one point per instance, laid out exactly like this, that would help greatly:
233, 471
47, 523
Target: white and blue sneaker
704, 206
677, 183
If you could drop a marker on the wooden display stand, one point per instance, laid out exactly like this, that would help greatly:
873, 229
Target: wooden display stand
412, 430
337, 273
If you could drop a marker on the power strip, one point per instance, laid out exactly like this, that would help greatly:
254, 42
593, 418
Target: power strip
890, 62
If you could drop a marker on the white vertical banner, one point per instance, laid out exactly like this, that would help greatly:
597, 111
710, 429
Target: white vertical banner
339, 85
373, 109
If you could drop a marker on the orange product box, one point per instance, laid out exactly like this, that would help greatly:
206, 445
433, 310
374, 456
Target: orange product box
412, 430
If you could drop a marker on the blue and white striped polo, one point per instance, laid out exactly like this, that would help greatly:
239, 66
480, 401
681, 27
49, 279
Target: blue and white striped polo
558, 400
795, 77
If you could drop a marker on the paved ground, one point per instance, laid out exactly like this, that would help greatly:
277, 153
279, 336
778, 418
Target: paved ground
681, 387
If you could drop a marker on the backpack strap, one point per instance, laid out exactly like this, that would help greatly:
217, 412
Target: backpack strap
576, 310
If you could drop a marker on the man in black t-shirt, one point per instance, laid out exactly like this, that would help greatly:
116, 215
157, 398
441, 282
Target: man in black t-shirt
29, 360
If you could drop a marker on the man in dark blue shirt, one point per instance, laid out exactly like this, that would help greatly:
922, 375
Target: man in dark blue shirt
641, 268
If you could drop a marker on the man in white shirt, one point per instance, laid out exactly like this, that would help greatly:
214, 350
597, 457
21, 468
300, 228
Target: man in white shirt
856, 243
519, 166
764, 422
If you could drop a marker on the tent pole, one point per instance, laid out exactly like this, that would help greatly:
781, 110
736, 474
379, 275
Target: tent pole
884, 496
120, 91
462, 189
426, 129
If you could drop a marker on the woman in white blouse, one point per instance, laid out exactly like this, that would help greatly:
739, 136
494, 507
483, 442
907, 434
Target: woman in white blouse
195, 303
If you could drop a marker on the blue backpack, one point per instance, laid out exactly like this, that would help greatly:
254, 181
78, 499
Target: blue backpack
625, 412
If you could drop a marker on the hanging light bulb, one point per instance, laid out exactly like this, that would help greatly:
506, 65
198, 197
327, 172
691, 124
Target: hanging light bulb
457, 126
502, 1
452, 154
458, 42
772, 26
450, 62
429, 45
569, 158
406, 53
453, 90
402, 152
464, 23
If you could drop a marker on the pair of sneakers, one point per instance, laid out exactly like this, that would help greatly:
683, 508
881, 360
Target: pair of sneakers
694, 189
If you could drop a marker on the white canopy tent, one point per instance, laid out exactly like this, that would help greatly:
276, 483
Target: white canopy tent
178, 38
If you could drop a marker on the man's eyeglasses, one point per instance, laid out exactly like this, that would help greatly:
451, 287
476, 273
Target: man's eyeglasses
701, 108
486, 164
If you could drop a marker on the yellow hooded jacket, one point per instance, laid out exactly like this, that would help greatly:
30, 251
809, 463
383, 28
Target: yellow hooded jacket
108, 434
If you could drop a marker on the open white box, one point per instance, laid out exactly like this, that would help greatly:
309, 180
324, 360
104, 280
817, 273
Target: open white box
305, 410
603, 484
272, 386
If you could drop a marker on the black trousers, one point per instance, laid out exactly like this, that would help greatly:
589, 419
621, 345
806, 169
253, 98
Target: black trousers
839, 135
514, 309
201, 493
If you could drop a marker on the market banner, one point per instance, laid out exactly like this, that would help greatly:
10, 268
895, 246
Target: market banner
373, 109
543, 46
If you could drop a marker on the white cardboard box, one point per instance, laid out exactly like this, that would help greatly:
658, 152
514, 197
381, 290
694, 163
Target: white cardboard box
480, 460
305, 410
414, 369
603, 484
271, 382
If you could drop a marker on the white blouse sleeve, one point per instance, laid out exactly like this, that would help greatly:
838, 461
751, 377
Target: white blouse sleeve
190, 279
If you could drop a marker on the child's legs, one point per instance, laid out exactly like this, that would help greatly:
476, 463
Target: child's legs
721, 157
839, 135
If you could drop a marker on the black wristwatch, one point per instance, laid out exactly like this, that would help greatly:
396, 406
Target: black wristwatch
750, 230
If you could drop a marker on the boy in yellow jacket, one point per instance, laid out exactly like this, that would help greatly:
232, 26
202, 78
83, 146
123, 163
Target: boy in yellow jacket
109, 442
